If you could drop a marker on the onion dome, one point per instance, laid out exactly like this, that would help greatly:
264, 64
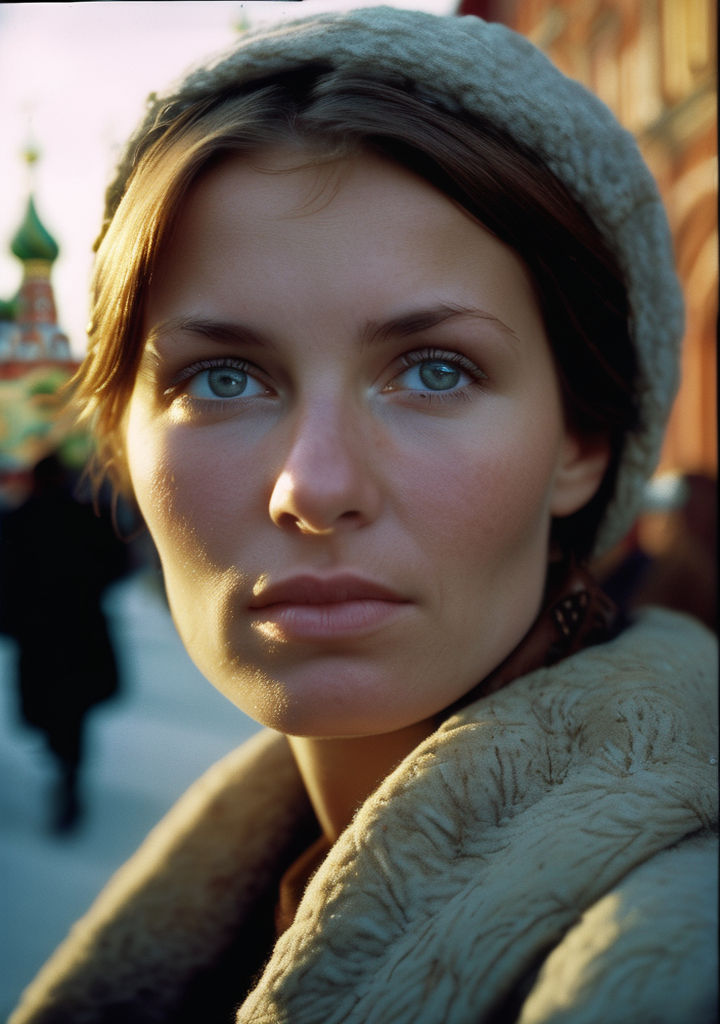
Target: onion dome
32, 240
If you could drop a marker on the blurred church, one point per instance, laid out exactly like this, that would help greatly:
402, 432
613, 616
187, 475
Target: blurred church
35, 364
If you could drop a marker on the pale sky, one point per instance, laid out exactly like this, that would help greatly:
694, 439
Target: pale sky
73, 81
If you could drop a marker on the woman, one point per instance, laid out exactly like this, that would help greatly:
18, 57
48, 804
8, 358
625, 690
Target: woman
383, 343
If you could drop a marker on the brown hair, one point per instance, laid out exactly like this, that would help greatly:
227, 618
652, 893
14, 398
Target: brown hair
507, 188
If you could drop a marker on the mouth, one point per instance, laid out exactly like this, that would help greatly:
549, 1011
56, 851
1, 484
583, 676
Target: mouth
308, 608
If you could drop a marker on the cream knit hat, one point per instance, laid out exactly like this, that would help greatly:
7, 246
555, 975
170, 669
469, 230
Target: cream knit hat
485, 68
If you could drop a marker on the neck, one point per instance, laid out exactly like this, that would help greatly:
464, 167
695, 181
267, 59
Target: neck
340, 774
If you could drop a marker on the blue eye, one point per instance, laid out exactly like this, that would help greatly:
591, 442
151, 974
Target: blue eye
224, 382
439, 376
436, 372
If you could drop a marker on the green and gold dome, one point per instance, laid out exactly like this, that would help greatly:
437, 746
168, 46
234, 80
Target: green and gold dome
32, 240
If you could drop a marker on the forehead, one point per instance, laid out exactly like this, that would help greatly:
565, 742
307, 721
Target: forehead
301, 189
286, 237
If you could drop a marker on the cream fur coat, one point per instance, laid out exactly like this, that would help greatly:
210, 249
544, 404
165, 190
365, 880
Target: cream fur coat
545, 856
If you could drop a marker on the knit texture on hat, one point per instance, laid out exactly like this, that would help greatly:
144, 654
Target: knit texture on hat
485, 68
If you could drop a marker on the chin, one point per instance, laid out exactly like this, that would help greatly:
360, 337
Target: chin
327, 704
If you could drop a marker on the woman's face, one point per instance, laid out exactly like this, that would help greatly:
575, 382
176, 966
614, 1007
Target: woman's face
347, 440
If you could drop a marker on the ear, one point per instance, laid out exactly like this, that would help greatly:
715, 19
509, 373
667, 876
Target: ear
582, 466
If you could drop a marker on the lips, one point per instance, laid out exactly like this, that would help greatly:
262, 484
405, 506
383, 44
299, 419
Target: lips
312, 590
314, 608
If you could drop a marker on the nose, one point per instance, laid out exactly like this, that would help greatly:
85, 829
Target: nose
326, 482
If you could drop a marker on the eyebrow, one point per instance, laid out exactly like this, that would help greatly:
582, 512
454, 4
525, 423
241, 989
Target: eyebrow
206, 327
417, 321
401, 326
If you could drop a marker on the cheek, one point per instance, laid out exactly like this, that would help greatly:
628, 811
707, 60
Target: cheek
190, 488
167, 490
151, 474
172, 476
486, 499
486, 539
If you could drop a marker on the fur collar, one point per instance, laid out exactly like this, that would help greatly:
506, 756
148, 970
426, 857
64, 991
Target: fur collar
471, 861
483, 848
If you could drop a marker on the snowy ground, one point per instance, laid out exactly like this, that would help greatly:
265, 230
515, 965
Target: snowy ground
145, 748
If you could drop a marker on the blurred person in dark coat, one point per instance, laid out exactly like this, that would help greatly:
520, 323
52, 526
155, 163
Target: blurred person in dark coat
57, 556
